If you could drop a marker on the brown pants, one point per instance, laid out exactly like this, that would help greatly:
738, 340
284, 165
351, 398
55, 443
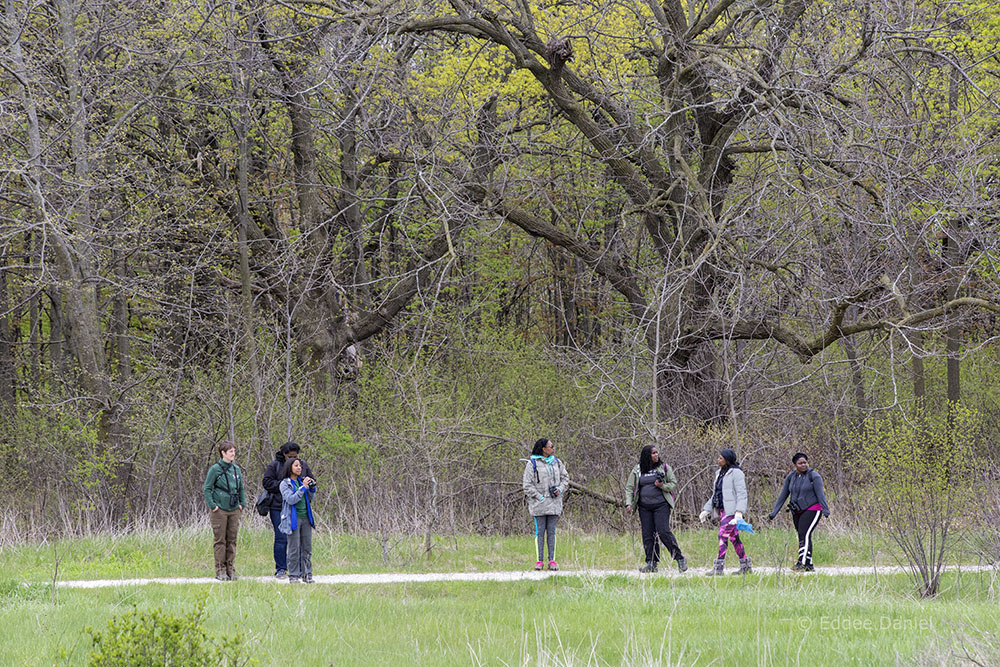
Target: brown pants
225, 526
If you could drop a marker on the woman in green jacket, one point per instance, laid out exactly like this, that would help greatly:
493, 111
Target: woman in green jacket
225, 497
650, 487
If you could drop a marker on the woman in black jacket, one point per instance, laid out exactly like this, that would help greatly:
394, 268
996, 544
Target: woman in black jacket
272, 482
806, 501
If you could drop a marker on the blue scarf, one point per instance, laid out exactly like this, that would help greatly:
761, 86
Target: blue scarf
295, 512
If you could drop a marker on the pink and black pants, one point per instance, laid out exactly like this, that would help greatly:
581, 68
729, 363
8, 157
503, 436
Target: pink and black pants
728, 533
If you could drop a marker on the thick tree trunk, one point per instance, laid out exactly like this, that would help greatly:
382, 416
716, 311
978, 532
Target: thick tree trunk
119, 322
952, 254
857, 378
76, 259
350, 209
58, 345
315, 315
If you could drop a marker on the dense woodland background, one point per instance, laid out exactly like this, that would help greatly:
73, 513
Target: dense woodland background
414, 236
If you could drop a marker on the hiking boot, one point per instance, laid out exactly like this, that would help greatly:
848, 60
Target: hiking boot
798, 567
745, 566
650, 567
553, 565
232, 576
539, 564
293, 580
308, 579
718, 568
808, 568
682, 564
222, 576
281, 574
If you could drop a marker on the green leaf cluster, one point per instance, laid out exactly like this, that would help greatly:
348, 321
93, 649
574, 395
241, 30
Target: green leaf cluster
159, 639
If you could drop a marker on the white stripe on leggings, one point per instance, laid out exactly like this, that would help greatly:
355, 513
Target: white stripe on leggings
804, 550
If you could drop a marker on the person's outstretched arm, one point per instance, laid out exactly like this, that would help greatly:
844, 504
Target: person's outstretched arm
785, 490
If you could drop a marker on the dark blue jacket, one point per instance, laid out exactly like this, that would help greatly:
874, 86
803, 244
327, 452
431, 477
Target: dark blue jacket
803, 490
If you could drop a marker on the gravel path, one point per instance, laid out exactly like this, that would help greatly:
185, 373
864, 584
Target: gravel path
402, 578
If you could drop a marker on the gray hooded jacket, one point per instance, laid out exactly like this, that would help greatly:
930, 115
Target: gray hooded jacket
537, 479
734, 493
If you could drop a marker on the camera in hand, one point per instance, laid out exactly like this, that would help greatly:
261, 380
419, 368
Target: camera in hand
553, 491
660, 475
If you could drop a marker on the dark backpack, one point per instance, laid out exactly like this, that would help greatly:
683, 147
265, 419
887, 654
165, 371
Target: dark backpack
263, 504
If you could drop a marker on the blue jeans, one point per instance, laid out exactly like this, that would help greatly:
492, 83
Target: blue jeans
280, 543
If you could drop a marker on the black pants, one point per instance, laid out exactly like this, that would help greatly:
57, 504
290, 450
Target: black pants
805, 525
655, 521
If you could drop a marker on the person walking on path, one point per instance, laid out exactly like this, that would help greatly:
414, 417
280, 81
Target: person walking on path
650, 487
297, 519
272, 484
544, 482
728, 503
225, 497
806, 501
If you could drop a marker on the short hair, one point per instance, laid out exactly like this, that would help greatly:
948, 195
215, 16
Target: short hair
799, 455
225, 446
539, 445
286, 470
290, 447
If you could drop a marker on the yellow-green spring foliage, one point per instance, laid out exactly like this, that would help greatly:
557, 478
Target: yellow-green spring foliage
920, 459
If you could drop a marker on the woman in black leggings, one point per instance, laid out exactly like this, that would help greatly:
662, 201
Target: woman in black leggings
650, 487
806, 501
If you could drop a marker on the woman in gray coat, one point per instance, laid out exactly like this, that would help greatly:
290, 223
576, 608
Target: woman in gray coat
544, 481
728, 503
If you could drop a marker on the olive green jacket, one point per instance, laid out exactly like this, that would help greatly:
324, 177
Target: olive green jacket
632, 486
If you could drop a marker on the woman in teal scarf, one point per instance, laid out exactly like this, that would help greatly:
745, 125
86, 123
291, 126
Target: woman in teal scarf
545, 480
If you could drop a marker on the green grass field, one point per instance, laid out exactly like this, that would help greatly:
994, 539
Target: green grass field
693, 620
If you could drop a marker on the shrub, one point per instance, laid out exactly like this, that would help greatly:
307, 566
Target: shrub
158, 639
917, 471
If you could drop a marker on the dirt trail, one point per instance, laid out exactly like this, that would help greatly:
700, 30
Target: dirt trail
402, 578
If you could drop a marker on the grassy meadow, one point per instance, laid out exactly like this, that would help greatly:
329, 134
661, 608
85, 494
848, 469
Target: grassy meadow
691, 620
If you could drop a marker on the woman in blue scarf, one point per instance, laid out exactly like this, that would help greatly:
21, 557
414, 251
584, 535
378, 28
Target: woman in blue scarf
297, 520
